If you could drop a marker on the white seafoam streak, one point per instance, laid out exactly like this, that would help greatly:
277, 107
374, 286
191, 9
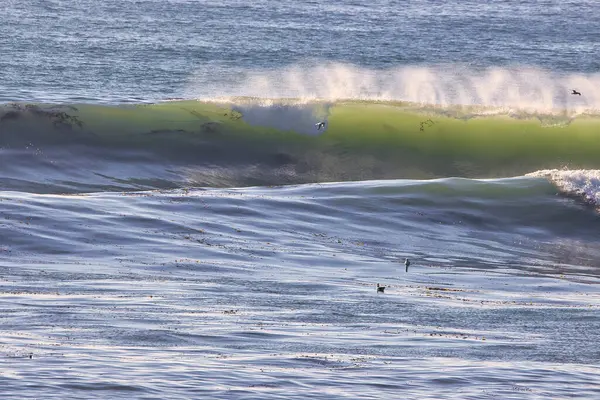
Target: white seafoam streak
526, 89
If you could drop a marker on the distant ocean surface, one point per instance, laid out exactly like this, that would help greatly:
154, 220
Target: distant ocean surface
174, 224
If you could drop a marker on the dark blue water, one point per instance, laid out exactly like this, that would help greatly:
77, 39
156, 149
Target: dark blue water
139, 50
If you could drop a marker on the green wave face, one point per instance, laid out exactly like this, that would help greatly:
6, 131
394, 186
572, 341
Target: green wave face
361, 140
458, 143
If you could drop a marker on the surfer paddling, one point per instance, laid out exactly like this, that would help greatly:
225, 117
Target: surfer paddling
320, 125
575, 92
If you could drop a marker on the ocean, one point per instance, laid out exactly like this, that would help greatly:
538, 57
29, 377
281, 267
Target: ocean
175, 222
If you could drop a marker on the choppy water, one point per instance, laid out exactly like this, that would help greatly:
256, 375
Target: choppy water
260, 293
227, 248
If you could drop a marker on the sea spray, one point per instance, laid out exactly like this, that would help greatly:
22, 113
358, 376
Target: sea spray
532, 89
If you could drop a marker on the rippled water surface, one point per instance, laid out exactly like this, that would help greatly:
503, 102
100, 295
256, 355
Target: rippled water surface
270, 293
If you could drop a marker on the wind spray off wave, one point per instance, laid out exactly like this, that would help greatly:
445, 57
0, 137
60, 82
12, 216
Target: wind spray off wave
516, 88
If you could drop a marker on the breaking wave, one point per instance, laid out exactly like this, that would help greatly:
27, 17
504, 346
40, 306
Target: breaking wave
248, 141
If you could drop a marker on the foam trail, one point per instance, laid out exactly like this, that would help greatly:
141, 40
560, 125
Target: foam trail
520, 88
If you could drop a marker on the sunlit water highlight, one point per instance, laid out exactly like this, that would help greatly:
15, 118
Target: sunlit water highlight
270, 293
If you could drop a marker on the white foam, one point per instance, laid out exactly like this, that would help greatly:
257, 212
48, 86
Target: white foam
584, 183
519, 88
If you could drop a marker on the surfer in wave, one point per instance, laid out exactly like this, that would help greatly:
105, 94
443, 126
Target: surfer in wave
320, 125
575, 92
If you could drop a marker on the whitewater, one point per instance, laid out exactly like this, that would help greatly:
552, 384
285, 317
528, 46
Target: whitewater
175, 225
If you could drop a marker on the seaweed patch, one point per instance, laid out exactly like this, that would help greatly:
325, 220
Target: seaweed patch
426, 124
59, 119
233, 115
